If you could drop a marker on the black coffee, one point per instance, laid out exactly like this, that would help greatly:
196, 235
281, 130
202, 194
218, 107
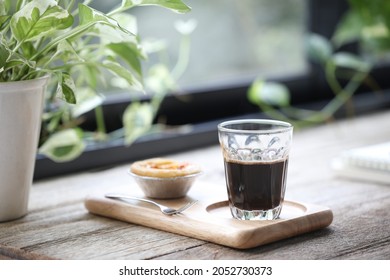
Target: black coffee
256, 185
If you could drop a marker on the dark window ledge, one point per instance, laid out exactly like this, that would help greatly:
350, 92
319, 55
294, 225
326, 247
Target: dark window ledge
199, 135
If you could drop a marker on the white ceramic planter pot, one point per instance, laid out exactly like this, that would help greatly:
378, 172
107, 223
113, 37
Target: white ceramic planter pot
20, 119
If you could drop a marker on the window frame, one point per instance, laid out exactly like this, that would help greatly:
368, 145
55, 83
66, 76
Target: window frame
216, 103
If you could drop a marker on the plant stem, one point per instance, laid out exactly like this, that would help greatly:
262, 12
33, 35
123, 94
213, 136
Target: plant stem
119, 10
74, 32
183, 59
101, 126
342, 94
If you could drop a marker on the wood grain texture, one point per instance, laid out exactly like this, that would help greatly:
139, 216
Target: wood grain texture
9, 253
213, 222
59, 226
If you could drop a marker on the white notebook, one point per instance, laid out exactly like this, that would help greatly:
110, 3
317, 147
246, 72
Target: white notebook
371, 163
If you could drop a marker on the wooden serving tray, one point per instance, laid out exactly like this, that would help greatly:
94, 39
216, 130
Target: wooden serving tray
211, 220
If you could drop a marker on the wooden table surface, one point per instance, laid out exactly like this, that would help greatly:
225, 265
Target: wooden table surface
59, 226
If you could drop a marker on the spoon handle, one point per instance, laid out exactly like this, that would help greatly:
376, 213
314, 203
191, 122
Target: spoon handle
123, 196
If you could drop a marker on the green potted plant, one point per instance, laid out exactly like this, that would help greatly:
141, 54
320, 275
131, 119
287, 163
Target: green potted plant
56, 52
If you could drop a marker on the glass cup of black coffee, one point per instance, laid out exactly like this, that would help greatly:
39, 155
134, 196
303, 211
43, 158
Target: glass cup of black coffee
256, 153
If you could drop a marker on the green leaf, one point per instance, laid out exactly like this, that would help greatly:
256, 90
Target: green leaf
175, 5
4, 19
64, 145
117, 69
87, 100
16, 59
130, 53
66, 51
127, 21
52, 118
89, 15
160, 80
348, 60
127, 4
375, 31
137, 120
374, 22
4, 55
66, 87
269, 93
319, 48
4, 7
90, 75
348, 30
370, 11
39, 18
89, 18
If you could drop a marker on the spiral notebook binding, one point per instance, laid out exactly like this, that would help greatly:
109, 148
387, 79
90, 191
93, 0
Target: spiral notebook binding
370, 163
372, 157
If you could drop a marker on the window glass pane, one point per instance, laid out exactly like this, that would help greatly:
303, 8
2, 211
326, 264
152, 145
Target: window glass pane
233, 41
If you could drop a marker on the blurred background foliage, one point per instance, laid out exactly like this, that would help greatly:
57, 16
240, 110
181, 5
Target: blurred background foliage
366, 23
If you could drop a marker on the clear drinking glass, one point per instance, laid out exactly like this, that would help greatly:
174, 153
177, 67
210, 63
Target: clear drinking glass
255, 153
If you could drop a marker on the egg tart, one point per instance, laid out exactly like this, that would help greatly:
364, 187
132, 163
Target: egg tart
163, 168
